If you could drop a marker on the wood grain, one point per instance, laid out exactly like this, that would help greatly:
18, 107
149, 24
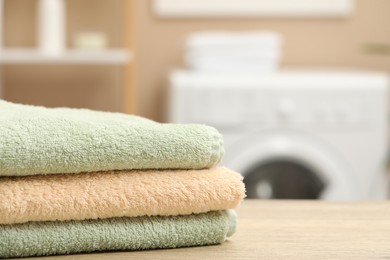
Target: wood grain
290, 230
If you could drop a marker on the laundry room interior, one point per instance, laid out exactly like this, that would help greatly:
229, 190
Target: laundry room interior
299, 89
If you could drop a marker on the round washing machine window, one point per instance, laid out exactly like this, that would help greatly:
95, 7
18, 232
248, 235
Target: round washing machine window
283, 179
291, 166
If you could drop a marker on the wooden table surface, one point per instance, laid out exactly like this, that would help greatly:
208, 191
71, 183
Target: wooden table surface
289, 230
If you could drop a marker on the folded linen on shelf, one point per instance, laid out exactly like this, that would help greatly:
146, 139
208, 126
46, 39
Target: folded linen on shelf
228, 51
138, 233
237, 66
39, 140
212, 40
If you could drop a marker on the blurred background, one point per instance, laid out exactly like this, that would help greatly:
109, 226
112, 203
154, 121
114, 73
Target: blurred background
298, 88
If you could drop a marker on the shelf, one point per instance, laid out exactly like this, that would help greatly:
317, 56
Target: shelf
73, 57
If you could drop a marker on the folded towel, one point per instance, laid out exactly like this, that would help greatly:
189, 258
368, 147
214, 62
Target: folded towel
118, 194
66, 237
38, 140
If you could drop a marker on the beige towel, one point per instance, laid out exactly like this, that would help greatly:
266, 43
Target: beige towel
117, 194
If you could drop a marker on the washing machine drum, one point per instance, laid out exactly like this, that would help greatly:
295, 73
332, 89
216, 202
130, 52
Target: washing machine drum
283, 179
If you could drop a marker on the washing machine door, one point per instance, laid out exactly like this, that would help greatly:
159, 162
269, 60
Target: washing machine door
284, 178
291, 166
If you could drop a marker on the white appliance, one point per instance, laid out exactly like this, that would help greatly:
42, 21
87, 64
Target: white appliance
294, 134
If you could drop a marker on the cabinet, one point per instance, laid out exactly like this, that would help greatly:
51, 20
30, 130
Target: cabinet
54, 42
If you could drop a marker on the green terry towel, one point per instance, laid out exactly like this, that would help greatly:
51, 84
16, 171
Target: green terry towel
39, 140
139, 233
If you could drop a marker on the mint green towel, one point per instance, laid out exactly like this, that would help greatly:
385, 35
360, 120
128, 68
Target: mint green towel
53, 238
38, 140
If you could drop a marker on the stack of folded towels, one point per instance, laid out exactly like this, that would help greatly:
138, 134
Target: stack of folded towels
238, 52
75, 180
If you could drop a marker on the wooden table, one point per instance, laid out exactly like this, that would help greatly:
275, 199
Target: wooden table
290, 230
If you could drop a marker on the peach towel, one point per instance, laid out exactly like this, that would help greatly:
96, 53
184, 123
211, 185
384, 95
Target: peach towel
118, 194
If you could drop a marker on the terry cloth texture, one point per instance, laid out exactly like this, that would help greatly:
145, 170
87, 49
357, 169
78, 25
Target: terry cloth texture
39, 140
118, 194
66, 237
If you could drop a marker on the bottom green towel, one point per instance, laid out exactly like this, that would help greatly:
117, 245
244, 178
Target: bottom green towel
138, 233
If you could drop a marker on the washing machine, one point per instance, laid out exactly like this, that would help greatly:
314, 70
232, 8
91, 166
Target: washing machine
296, 134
